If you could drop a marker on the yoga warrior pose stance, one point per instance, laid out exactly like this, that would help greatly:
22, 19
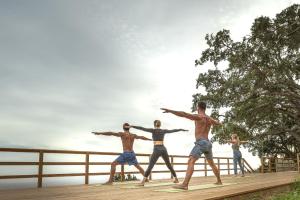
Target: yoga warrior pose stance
159, 148
128, 155
237, 155
202, 144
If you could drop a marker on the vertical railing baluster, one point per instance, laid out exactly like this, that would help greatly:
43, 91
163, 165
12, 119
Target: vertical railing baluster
228, 166
205, 167
40, 174
298, 162
219, 166
150, 175
87, 168
262, 160
172, 164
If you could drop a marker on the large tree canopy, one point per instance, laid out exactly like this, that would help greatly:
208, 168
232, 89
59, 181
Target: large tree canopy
260, 87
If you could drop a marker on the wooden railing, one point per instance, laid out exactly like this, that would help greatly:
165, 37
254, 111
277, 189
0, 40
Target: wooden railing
272, 164
220, 162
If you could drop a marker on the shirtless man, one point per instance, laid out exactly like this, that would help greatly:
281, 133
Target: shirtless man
128, 155
202, 144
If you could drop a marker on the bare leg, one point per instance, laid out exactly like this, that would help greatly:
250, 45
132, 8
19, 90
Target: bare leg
112, 173
141, 170
189, 173
216, 171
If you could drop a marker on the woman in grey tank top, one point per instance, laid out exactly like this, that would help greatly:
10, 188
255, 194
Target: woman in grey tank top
237, 155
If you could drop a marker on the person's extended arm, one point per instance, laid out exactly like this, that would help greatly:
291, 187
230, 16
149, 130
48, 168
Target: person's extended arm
214, 121
182, 114
172, 131
108, 133
143, 129
141, 137
243, 142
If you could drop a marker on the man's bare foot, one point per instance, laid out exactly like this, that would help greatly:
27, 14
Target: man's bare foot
181, 187
108, 183
147, 180
243, 175
218, 183
176, 180
141, 184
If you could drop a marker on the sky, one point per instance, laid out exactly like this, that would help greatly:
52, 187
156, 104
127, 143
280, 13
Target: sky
70, 67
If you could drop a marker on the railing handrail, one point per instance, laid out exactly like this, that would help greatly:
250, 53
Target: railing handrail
25, 150
41, 163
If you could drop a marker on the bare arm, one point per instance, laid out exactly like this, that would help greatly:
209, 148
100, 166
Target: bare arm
143, 129
182, 114
141, 137
214, 121
108, 133
173, 130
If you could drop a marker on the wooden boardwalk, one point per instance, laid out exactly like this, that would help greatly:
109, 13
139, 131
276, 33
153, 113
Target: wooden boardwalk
235, 186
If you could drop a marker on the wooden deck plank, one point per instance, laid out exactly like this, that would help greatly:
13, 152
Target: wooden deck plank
245, 185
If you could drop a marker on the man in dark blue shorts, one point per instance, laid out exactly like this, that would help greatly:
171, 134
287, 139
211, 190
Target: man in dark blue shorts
128, 155
203, 124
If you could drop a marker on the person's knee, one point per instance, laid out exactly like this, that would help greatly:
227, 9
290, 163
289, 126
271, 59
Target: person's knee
114, 164
192, 160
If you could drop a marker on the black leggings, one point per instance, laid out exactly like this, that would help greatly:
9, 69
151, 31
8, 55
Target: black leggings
159, 150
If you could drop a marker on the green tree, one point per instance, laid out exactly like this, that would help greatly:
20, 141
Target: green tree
260, 87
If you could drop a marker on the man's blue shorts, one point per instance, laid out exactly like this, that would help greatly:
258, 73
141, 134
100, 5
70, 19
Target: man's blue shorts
202, 146
127, 157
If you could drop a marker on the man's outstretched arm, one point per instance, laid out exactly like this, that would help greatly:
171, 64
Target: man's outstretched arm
182, 114
108, 133
141, 137
143, 129
215, 122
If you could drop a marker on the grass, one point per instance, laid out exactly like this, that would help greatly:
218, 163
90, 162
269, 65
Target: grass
294, 194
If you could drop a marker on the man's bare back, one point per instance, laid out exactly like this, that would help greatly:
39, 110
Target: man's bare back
127, 141
202, 126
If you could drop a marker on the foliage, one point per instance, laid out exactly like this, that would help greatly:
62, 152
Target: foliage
260, 87
128, 177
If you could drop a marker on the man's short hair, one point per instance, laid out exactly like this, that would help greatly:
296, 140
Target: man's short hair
201, 105
125, 127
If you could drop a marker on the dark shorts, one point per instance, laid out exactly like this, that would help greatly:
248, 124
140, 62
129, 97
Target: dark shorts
202, 146
127, 157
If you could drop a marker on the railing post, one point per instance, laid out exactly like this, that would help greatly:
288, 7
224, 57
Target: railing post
205, 167
262, 160
87, 168
150, 175
40, 175
172, 164
270, 164
122, 173
228, 166
298, 162
219, 166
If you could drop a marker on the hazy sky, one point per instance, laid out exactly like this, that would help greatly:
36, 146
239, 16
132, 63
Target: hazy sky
69, 67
